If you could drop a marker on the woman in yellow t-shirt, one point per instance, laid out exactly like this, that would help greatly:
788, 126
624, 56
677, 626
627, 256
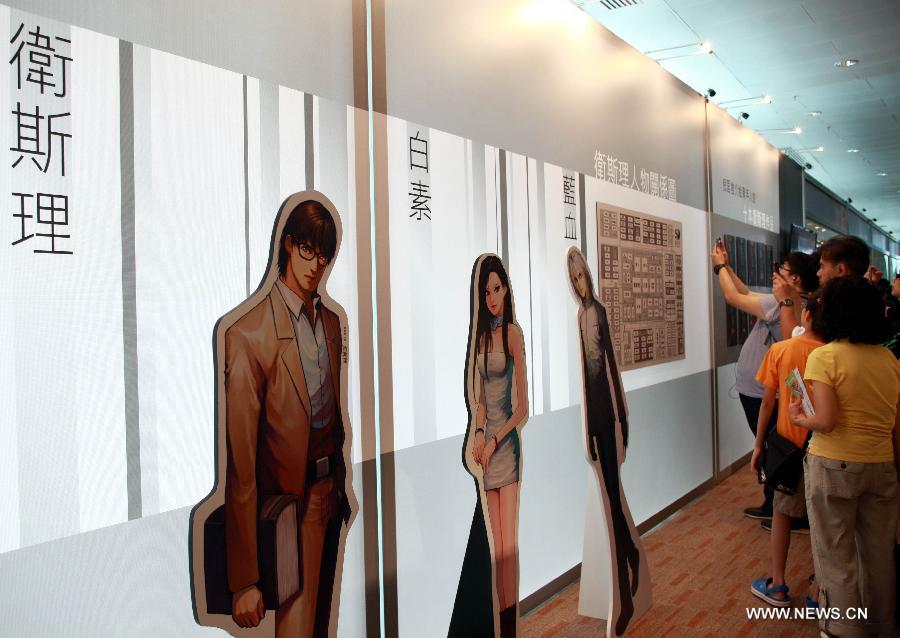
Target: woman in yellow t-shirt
851, 469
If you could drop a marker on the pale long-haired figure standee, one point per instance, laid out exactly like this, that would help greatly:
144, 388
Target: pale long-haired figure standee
605, 414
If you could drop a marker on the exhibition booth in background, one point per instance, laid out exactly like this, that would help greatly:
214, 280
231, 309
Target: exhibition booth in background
440, 131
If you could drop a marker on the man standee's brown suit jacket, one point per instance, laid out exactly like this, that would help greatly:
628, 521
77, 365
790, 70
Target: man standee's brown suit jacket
267, 421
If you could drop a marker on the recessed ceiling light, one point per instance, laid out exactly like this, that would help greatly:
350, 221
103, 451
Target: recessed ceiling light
814, 113
853, 150
882, 174
843, 64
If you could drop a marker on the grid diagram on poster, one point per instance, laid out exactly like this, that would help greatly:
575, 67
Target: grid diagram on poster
641, 282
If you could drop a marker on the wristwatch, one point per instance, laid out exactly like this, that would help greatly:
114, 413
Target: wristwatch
718, 267
786, 302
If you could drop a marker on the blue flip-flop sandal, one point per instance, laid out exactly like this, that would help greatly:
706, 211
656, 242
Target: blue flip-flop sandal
810, 603
761, 589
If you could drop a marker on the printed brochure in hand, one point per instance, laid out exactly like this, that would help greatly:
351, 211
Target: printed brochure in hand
798, 389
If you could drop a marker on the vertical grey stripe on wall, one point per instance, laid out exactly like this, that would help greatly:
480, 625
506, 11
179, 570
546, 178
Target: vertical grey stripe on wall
246, 194
309, 140
582, 214
469, 199
541, 240
530, 284
269, 147
478, 195
496, 158
129, 282
504, 223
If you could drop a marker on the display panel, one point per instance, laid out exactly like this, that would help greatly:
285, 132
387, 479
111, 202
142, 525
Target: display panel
743, 171
753, 262
152, 206
641, 281
64, 460
215, 151
475, 198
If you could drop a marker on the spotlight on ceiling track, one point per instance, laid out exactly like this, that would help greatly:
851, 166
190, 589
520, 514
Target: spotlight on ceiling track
846, 64
710, 93
700, 48
781, 131
747, 101
808, 166
745, 116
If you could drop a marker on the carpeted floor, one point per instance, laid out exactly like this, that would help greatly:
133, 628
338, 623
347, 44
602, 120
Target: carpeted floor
702, 561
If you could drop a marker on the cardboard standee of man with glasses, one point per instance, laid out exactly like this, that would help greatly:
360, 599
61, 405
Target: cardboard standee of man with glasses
271, 534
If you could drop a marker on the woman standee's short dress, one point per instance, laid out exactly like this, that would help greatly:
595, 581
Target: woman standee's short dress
503, 467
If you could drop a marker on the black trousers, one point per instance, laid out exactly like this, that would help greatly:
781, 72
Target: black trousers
751, 407
327, 575
603, 448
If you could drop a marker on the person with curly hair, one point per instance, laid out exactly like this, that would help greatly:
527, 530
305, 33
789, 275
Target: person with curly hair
851, 470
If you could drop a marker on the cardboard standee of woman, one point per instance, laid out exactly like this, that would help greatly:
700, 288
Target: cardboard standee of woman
497, 398
605, 423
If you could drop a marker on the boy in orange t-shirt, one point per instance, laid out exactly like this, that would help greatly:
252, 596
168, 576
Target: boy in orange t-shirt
781, 358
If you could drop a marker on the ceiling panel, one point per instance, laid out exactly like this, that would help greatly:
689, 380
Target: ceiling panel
724, 11
831, 10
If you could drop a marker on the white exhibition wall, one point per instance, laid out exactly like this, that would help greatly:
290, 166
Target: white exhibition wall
431, 268
430, 273
212, 155
744, 180
62, 433
744, 172
190, 267
222, 132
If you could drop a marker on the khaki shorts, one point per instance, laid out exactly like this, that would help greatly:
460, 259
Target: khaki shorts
793, 505
853, 511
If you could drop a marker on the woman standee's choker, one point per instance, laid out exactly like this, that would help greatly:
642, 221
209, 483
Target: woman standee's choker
496, 322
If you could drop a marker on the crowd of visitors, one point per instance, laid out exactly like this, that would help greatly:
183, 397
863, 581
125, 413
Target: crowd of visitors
819, 381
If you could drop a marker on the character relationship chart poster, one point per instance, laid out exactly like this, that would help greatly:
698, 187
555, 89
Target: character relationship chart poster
641, 281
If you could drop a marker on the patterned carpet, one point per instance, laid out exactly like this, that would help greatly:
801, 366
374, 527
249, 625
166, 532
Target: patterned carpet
702, 561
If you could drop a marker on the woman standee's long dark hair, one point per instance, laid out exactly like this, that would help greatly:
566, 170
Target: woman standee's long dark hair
483, 330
